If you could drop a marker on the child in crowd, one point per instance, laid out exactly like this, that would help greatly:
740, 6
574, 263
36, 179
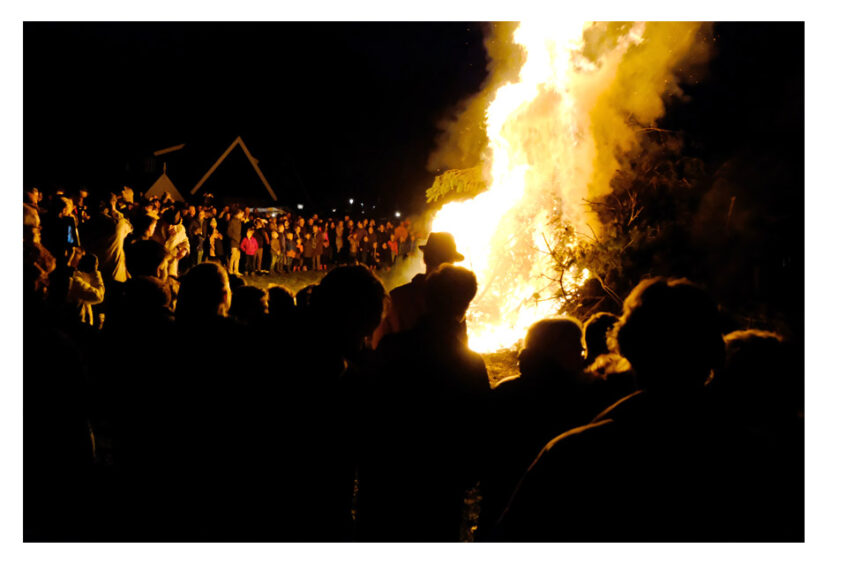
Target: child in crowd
308, 251
290, 251
276, 253
250, 247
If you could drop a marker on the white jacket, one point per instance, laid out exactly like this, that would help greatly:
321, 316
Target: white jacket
86, 290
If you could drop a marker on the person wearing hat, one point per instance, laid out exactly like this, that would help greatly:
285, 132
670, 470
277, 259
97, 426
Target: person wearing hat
407, 301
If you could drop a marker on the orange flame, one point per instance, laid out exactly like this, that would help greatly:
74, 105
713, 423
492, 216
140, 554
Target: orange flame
544, 158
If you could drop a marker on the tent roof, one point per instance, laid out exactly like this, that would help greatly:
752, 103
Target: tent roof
162, 186
198, 166
238, 142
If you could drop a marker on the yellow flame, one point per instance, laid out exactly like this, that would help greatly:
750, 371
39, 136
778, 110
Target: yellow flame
543, 147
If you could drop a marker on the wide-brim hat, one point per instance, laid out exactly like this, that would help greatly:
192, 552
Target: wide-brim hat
442, 245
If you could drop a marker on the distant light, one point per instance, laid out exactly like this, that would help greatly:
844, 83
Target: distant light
299, 206
397, 214
333, 210
351, 201
362, 204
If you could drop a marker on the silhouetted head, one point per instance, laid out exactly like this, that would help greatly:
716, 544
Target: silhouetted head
203, 293
249, 304
440, 248
280, 302
552, 345
144, 224
760, 379
449, 291
144, 258
349, 301
236, 281
147, 294
594, 331
88, 263
304, 296
172, 217
670, 333
61, 207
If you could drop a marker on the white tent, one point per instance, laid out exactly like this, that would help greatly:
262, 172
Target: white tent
163, 186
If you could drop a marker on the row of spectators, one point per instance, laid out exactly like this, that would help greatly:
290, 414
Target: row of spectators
243, 239
206, 409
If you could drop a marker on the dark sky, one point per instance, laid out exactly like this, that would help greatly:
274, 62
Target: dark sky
331, 110
334, 110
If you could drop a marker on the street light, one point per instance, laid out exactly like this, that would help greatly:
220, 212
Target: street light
397, 214
351, 201
299, 206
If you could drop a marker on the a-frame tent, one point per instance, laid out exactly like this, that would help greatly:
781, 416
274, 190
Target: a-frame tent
163, 185
253, 161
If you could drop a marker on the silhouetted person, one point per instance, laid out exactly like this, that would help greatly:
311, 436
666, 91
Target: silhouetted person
210, 405
249, 306
314, 410
595, 331
106, 233
422, 442
236, 281
551, 395
57, 448
758, 395
760, 385
280, 303
408, 301
303, 297
652, 467
612, 374
59, 229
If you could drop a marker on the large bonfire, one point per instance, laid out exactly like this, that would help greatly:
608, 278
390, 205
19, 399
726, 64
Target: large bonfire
555, 139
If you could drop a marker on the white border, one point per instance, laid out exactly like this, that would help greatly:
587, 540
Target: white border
825, 212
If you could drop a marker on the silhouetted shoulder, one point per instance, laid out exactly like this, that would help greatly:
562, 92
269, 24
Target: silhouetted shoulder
621, 406
507, 384
573, 438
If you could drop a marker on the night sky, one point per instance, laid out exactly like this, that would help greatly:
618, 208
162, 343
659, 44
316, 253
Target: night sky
330, 110
333, 110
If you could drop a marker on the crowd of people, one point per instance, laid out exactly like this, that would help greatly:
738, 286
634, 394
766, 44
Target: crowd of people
167, 399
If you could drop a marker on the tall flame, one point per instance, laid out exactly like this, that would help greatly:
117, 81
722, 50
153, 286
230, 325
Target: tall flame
553, 139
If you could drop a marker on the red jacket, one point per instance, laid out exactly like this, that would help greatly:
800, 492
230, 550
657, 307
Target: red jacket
249, 246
